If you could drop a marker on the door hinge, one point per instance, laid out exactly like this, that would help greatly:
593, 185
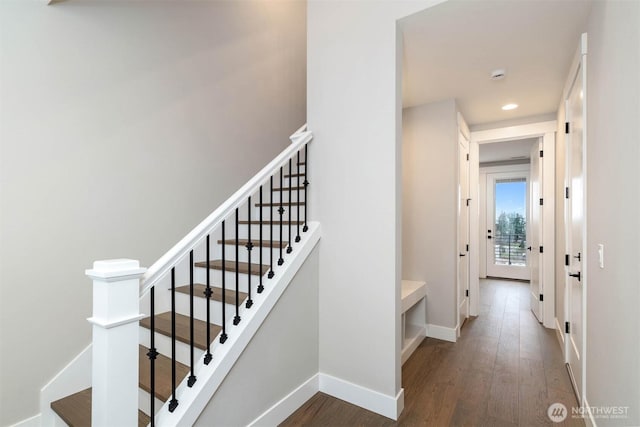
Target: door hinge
566, 127
466, 292
541, 297
467, 156
541, 249
541, 153
567, 328
541, 202
566, 192
566, 259
468, 200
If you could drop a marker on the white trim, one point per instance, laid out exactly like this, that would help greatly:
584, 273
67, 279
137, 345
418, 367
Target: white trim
560, 333
163, 265
288, 404
108, 325
388, 406
442, 333
72, 378
513, 132
194, 399
29, 422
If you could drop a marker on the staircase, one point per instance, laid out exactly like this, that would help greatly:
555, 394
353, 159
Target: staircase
206, 297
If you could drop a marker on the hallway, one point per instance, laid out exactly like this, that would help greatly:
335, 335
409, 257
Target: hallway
505, 370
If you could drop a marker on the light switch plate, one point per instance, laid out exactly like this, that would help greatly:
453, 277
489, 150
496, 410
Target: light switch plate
601, 254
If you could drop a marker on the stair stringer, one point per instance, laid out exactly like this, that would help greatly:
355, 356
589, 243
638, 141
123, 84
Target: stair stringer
193, 400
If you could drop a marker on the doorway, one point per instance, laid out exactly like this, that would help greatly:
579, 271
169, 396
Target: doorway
507, 222
539, 231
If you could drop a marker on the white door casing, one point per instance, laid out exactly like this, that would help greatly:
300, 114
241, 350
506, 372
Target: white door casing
547, 131
463, 231
575, 223
535, 232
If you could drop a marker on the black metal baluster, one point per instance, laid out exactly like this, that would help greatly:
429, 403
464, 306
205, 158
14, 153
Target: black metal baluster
298, 198
271, 273
260, 287
289, 248
192, 378
281, 211
236, 319
174, 402
223, 335
249, 247
152, 354
306, 184
207, 294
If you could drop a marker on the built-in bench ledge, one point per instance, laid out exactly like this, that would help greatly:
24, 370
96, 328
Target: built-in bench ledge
413, 294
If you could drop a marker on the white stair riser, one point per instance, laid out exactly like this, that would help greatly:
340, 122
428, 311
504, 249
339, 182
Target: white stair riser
290, 212
200, 308
243, 253
216, 278
144, 402
163, 346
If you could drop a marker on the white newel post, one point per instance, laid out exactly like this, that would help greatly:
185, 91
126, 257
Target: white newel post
116, 313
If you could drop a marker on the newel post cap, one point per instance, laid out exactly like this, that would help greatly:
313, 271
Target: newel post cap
116, 269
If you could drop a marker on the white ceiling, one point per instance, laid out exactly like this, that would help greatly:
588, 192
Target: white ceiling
451, 49
506, 151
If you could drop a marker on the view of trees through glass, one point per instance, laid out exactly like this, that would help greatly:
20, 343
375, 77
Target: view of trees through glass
510, 222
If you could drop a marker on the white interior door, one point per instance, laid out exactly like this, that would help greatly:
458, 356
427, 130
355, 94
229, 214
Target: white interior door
535, 229
507, 217
463, 230
575, 232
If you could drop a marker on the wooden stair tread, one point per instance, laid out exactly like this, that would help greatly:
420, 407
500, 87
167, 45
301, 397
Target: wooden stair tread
163, 326
163, 373
280, 204
75, 410
267, 222
265, 243
230, 266
216, 293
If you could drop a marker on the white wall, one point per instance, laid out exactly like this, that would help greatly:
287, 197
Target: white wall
429, 209
123, 125
613, 206
353, 107
282, 355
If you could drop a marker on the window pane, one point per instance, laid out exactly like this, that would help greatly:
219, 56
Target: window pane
510, 222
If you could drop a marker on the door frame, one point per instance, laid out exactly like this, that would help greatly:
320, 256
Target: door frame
522, 170
547, 131
464, 134
579, 64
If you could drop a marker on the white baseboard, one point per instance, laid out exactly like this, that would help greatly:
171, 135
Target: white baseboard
560, 333
388, 406
29, 422
288, 404
442, 333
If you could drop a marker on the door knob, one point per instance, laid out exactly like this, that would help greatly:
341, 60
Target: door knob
576, 275
462, 254
529, 248
578, 257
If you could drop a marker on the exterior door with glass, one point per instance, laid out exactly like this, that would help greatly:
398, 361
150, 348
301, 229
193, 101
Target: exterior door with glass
507, 218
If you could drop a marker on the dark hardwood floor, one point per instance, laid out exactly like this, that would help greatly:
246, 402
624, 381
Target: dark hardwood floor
505, 370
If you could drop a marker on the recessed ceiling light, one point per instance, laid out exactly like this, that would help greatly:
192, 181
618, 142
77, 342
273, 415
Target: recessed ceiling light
509, 107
